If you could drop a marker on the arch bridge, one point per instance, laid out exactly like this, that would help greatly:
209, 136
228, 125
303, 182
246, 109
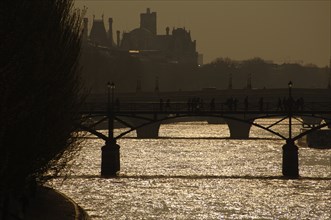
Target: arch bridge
146, 117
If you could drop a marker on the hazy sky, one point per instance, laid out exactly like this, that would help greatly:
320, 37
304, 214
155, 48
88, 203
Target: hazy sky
281, 30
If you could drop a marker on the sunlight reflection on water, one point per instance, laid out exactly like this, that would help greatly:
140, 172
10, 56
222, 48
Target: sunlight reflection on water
210, 177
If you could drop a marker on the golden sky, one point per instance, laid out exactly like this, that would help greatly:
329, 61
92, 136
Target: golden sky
279, 30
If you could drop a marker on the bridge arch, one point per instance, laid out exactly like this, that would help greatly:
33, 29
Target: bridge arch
249, 122
152, 123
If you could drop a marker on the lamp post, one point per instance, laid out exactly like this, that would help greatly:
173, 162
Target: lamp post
110, 156
111, 88
290, 102
290, 167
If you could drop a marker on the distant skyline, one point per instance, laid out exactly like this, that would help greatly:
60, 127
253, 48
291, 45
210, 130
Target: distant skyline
281, 31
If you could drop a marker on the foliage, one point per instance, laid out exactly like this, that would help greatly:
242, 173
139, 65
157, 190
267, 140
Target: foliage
39, 87
263, 74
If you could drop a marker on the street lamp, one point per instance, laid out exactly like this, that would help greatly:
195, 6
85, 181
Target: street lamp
108, 87
290, 84
111, 87
290, 100
290, 167
110, 156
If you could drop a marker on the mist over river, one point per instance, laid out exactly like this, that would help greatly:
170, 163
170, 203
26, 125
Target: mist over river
193, 171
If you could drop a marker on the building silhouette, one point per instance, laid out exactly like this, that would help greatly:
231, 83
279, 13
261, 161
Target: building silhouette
143, 42
140, 55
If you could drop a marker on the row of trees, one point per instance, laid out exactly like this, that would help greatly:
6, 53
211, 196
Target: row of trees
264, 73
39, 91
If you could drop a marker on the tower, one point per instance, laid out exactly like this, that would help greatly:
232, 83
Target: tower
118, 34
110, 31
148, 21
98, 34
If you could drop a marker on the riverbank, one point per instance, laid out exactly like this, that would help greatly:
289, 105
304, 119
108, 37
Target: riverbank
50, 204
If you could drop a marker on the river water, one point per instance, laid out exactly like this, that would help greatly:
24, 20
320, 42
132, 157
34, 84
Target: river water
193, 171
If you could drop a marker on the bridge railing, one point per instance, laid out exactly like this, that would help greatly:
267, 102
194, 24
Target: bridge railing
205, 107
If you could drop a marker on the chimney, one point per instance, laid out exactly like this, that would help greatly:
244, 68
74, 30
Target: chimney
110, 31
118, 38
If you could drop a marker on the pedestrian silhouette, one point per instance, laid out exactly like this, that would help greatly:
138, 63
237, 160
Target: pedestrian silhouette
279, 105
161, 104
212, 104
261, 104
229, 103
167, 104
285, 106
235, 103
201, 104
246, 103
302, 103
117, 104
189, 104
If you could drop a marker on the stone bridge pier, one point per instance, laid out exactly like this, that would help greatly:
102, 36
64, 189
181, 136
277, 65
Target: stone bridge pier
311, 121
147, 131
290, 163
238, 129
327, 119
110, 159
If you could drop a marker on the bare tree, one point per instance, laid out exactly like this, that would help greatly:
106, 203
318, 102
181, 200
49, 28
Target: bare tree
39, 88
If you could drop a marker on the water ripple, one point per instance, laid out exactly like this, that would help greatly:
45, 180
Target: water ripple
195, 172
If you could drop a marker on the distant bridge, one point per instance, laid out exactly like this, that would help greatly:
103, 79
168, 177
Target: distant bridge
145, 117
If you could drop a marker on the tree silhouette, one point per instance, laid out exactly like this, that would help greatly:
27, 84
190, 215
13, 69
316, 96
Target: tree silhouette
39, 89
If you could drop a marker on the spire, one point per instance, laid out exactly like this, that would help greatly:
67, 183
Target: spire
110, 31
118, 38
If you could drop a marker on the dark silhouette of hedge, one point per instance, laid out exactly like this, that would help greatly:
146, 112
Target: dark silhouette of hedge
39, 89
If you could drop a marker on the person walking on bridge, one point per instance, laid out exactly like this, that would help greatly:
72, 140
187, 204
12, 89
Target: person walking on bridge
246, 103
212, 104
279, 105
167, 104
261, 104
161, 104
117, 104
235, 104
189, 104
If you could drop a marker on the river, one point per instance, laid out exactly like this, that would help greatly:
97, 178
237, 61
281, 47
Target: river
193, 171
